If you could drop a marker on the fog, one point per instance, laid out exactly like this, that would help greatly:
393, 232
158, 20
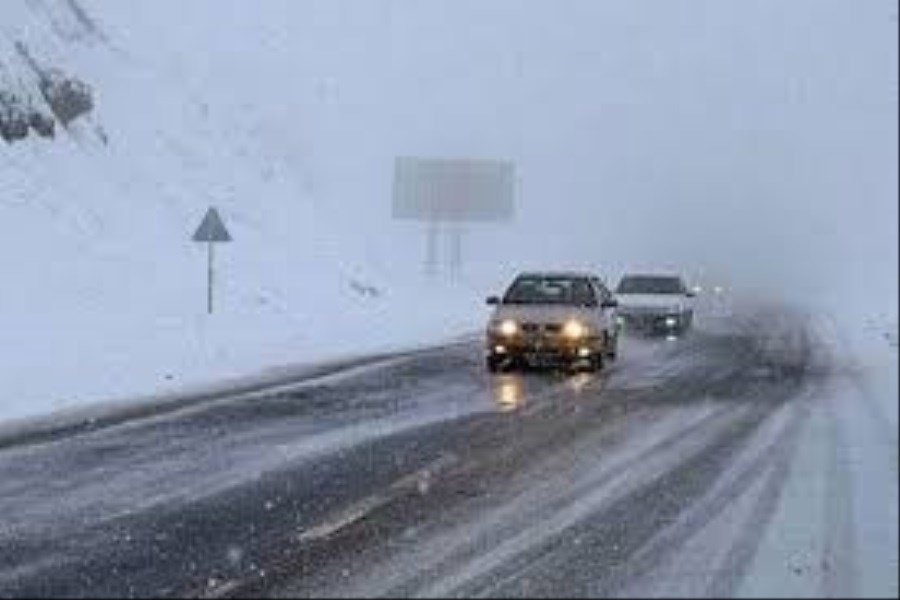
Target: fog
753, 142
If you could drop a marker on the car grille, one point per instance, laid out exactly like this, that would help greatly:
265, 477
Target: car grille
542, 328
647, 321
643, 310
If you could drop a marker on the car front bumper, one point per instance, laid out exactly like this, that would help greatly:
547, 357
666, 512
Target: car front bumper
537, 350
653, 322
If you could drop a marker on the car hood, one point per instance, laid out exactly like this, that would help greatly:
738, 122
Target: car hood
649, 301
541, 313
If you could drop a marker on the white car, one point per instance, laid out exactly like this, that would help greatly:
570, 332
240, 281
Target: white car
655, 303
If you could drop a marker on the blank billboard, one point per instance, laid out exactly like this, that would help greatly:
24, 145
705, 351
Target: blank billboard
453, 189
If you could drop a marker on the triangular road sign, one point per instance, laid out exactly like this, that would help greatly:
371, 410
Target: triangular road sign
212, 229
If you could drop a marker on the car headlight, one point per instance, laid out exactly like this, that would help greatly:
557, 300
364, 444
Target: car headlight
574, 330
671, 321
508, 328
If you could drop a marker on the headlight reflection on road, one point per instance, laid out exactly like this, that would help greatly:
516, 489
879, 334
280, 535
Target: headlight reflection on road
507, 393
579, 382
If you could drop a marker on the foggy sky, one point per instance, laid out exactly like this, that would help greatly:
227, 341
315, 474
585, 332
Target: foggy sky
755, 140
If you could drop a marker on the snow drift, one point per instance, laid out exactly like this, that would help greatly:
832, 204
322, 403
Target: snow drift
130, 136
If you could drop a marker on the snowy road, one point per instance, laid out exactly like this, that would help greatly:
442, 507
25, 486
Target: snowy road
712, 465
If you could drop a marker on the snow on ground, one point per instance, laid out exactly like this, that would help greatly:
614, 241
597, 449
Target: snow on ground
104, 294
866, 406
835, 530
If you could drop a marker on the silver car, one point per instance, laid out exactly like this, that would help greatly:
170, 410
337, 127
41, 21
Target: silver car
552, 319
655, 303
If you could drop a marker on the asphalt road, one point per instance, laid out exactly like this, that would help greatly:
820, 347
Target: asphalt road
422, 475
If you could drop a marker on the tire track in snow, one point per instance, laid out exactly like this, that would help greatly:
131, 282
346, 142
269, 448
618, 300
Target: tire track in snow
648, 511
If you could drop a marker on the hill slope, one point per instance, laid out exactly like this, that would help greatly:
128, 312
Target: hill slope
104, 292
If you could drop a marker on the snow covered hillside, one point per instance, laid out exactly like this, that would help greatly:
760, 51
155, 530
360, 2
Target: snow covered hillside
103, 292
684, 136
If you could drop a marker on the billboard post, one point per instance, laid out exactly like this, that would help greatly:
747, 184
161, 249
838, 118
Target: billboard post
431, 250
446, 194
456, 256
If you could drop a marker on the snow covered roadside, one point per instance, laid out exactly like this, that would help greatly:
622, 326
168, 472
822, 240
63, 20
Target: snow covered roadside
116, 363
866, 407
835, 529
104, 292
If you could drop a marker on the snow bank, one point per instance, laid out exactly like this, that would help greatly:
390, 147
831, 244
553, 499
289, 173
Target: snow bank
104, 293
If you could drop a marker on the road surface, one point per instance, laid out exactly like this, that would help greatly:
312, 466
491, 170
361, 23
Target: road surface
421, 475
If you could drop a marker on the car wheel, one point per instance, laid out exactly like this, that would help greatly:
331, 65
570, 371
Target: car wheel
612, 349
493, 364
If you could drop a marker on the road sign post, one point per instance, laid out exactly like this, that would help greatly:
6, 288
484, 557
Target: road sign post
209, 277
211, 231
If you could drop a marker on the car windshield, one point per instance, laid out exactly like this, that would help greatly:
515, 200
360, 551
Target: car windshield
550, 290
650, 284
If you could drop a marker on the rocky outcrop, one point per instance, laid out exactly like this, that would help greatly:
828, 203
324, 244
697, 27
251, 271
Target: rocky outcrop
59, 98
364, 289
18, 118
67, 97
42, 124
13, 120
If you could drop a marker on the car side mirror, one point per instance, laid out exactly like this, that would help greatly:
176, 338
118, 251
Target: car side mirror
611, 303
493, 300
